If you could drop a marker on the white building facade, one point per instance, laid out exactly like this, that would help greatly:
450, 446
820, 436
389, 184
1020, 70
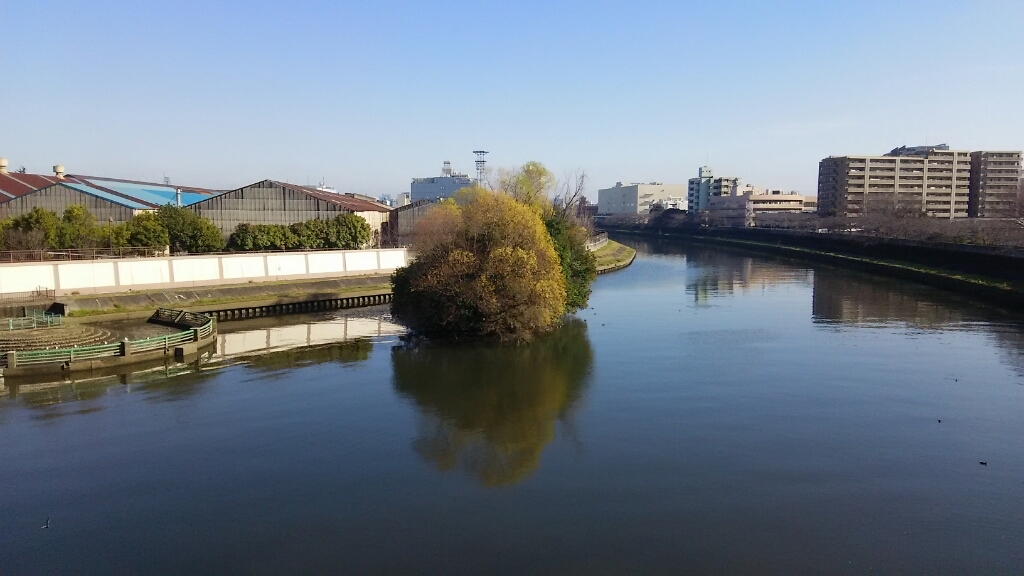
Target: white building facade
638, 198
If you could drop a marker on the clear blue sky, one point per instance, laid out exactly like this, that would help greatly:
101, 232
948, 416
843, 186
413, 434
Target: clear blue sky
371, 94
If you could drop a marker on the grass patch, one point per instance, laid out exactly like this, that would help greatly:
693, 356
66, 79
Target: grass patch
120, 309
613, 255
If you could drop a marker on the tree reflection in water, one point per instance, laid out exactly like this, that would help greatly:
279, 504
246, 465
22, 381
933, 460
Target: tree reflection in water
489, 408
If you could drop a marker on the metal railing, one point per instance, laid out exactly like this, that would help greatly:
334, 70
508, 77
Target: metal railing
36, 320
127, 348
79, 254
37, 294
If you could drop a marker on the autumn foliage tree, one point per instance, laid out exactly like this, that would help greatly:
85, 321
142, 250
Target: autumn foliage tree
485, 265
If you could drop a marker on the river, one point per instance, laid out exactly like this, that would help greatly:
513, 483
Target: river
714, 411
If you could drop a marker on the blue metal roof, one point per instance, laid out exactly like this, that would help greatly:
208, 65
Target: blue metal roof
152, 193
106, 196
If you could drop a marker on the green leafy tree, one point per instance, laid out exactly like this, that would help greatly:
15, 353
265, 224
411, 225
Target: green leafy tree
531, 184
5, 225
41, 220
189, 232
78, 229
485, 266
579, 265
348, 232
145, 230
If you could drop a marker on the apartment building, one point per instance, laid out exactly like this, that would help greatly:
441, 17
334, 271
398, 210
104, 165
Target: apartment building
995, 184
705, 186
932, 179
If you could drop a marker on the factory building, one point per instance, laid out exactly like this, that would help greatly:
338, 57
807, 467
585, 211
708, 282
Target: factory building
637, 198
108, 199
272, 202
443, 186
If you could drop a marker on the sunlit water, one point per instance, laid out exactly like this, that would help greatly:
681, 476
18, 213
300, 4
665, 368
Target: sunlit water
713, 412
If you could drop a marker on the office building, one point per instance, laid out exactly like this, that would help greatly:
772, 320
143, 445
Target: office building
635, 198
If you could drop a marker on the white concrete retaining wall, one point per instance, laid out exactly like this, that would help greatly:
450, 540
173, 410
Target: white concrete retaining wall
123, 275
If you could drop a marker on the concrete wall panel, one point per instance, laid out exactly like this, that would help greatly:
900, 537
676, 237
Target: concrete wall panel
326, 262
195, 270
361, 261
26, 278
143, 271
86, 276
390, 259
238, 267
286, 264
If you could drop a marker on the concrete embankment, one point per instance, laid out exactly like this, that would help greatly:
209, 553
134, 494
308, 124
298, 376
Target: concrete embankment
991, 273
234, 302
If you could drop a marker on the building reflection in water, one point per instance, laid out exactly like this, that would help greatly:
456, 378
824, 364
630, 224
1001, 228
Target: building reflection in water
490, 409
845, 297
267, 343
283, 332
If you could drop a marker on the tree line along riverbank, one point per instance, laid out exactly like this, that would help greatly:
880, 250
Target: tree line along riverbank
995, 274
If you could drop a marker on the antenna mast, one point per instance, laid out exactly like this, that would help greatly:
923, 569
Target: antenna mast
481, 164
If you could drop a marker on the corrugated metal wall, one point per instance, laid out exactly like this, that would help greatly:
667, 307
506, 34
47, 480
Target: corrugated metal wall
58, 198
268, 203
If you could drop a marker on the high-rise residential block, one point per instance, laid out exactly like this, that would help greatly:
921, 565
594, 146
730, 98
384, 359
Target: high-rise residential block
995, 184
927, 179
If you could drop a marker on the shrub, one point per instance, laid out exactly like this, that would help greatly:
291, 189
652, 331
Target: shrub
345, 232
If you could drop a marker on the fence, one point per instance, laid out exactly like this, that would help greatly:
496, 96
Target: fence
36, 320
19, 359
28, 295
79, 254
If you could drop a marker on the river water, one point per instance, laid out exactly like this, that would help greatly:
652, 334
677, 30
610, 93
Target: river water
713, 412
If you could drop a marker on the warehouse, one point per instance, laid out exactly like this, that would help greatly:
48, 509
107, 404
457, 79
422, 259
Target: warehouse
272, 202
108, 199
